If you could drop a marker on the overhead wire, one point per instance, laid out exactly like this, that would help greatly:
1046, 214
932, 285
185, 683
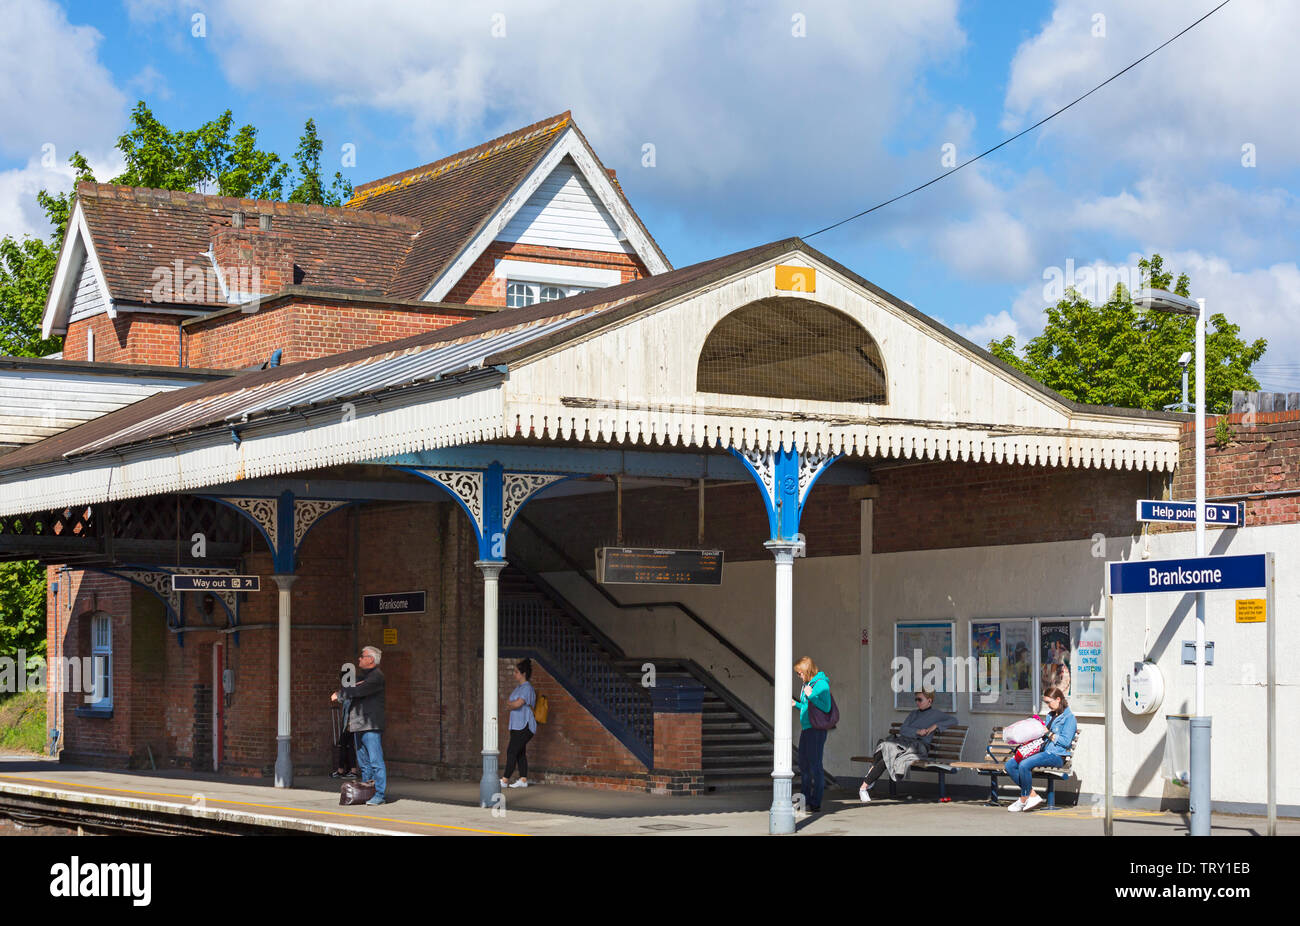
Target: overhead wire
1007, 141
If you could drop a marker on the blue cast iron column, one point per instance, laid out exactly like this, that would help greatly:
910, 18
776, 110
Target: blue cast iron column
785, 477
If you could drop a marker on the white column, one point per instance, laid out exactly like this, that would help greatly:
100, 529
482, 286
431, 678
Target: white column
283, 762
1200, 725
781, 816
490, 784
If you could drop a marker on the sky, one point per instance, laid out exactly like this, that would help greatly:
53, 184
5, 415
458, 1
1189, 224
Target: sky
732, 124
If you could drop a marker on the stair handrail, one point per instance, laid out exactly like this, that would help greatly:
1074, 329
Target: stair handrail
576, 567
558, 599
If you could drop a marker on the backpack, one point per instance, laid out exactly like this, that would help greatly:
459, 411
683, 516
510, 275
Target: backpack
540, 709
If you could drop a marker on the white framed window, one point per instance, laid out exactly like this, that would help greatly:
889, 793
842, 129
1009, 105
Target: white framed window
99, 687
523, 292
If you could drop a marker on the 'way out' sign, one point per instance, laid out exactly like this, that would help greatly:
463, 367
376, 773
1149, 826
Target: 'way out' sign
1185, 512
1194, 574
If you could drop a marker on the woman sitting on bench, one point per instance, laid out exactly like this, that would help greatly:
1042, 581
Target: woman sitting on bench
895, 754
1061, 727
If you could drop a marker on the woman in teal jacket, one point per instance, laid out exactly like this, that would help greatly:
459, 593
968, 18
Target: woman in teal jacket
816, 692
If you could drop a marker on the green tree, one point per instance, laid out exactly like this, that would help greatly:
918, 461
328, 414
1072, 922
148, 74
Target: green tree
311, 185
22, 608
1116, 354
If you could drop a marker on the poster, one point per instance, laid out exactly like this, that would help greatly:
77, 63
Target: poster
1087, 696
1054, 656
923, 656
1011, 677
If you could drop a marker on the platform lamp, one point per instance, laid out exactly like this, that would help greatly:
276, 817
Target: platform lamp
1159, 300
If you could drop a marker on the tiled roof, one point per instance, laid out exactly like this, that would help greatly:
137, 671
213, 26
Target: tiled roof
454, 197
137, 231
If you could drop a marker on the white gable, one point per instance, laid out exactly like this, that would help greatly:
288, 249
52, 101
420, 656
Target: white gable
565, 212
637, 381
87, 298
552, 214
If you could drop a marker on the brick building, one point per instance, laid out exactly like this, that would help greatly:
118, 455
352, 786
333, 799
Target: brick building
468, 381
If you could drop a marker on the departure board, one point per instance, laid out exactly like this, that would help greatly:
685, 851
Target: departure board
644, 566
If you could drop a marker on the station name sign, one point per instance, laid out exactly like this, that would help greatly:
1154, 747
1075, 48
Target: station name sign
648, 566
1185, 512
393, 603
1194, 574
215, 583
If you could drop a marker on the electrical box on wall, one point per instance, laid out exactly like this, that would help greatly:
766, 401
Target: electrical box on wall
1144, 688
1189, 653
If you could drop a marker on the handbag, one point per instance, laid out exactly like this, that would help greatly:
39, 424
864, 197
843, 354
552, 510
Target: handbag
1026, 750
821, 720
541, 709
355, 792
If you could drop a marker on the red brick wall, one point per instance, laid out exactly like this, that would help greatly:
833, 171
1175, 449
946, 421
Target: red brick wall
132, 337
1263, 455
679, 741
303, 331
479, 287
939, 505
735, 521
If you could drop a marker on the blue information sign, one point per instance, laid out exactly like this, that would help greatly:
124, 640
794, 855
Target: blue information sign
1194, 574
1185, 512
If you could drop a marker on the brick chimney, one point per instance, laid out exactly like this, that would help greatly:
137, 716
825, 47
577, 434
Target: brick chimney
253, 256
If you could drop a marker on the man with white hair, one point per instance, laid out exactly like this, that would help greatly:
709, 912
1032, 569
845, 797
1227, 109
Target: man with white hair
366, 720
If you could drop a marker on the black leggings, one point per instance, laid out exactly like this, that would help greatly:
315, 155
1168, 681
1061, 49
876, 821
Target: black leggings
515, 752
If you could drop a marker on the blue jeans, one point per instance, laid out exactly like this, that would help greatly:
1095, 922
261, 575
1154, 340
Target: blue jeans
1022, 773
370, 759
812, 745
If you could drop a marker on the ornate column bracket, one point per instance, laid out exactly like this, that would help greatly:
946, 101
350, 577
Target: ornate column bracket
785, 478
264, 513
519, 488
284, 521
491, 497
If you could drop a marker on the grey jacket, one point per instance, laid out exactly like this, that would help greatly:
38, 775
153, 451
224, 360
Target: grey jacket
366, 710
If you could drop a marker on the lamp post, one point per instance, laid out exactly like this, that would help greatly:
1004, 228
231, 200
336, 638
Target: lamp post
1159, 300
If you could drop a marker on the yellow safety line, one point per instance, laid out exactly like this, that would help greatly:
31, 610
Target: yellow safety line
217, 800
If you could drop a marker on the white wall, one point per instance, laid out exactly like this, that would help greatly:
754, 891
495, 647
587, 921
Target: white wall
836, 597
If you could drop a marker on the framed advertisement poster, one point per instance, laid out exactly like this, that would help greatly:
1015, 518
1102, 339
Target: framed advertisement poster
1003, 655
923, 657
1070, 657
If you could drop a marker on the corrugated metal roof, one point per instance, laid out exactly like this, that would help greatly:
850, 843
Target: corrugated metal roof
332, 384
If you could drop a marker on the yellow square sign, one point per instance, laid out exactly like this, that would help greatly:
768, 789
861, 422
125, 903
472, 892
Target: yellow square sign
1250, 611
796, 279
390, 636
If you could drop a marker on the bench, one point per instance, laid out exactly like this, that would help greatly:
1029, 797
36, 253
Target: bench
994, 764
945, 749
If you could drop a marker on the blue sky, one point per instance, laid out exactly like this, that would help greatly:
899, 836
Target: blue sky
767, 119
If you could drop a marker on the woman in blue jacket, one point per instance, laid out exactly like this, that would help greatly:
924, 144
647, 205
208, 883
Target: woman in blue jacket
816, 692
1061, 727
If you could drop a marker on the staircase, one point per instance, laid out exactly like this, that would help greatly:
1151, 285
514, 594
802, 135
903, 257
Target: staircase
737, 744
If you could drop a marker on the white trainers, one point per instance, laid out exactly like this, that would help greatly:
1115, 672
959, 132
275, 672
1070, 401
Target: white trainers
520, 783
1016, 806
505, 783
864, 795
1034, 800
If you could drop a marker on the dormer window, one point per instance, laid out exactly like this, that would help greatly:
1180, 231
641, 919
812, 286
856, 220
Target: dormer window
520, 293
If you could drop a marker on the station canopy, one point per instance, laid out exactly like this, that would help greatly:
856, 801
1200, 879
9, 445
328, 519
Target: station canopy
773, 347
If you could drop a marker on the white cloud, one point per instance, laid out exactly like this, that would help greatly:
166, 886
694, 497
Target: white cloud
53, 90
991, 245
20, 214
740, 110
1228, 82
992, 328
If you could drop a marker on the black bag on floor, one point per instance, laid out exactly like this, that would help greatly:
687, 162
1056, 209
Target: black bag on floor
355, 792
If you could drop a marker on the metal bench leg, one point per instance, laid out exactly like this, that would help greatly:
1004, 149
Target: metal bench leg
1051, 792
993, 792
893, 788
943, 793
